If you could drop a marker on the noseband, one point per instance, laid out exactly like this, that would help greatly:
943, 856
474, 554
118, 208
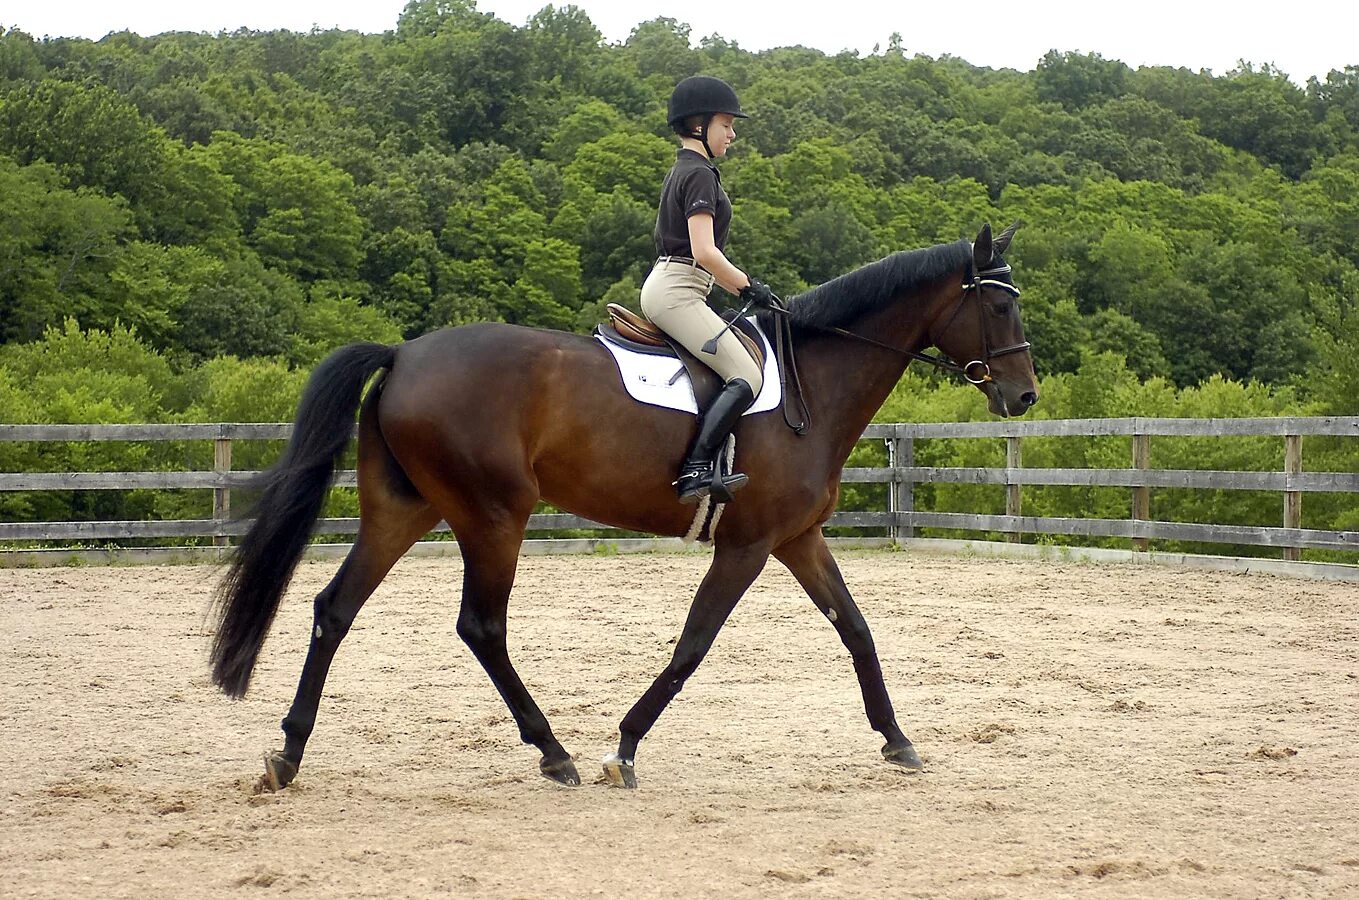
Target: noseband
978, 371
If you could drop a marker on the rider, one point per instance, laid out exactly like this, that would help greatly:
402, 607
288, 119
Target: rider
691, 235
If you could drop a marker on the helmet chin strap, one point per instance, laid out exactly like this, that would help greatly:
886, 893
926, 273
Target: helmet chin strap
703, 135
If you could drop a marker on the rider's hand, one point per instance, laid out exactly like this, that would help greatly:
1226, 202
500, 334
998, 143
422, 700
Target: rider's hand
757, 293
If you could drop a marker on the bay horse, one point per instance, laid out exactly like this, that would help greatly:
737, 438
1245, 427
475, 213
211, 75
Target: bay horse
474, 425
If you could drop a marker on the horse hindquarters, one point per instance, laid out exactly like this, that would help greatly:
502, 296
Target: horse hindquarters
457, 418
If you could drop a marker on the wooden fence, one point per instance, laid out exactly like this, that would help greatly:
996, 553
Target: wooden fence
898, 522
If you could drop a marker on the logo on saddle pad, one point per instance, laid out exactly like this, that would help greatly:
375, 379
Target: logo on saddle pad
663, 381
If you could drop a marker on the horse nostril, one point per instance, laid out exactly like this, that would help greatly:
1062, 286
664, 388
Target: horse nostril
1028, 398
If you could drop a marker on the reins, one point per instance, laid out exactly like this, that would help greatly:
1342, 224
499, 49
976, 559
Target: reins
978, 371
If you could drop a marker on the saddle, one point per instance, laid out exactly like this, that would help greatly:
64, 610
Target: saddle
627, 329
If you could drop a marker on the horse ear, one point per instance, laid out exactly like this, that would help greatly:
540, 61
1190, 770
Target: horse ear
982, 250
1002, 241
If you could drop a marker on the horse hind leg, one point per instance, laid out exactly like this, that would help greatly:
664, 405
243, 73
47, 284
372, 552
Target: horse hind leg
490, 544
392, 517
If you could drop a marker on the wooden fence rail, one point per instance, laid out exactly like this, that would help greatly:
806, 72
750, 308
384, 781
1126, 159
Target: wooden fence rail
900, 520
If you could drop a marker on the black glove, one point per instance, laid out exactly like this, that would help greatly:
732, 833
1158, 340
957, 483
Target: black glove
757, 293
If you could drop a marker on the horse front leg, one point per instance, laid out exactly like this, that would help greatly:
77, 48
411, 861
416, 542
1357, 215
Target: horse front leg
731, 573
810, 561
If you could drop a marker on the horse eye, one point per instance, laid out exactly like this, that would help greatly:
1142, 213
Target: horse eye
1001, 307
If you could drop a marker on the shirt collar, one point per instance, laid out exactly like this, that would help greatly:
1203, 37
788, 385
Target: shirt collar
686, 153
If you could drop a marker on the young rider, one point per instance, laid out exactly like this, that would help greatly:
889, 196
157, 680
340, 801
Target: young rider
691, 235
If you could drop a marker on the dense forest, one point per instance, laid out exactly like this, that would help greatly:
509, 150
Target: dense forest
190, 221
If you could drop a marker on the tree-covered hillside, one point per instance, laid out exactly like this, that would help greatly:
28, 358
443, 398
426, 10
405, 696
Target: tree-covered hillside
273, 194
189, 222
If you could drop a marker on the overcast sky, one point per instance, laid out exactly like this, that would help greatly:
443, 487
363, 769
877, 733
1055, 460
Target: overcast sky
1302, 39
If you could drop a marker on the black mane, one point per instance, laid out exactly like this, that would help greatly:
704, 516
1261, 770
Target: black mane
844, 299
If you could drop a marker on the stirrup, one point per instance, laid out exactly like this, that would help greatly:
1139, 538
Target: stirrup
695, 484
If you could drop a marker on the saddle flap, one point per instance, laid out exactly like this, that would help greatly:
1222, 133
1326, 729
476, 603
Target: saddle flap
744, 333
633, 327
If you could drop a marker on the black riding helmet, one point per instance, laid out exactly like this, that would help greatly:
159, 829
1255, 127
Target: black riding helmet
702, 95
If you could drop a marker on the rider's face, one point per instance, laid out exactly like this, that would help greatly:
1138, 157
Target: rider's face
721, 133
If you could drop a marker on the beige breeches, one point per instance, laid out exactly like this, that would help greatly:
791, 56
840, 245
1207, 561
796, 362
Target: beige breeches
673, 298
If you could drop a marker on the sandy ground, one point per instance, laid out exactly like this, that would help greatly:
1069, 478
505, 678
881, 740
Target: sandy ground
1087, 730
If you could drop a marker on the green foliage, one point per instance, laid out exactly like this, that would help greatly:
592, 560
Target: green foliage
203, 189
219, 212
71, 376
329, 321
295, 211
1078, 80
56, 246
92, 376
227, 389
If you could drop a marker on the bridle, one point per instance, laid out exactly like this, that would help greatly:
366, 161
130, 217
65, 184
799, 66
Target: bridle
978, 371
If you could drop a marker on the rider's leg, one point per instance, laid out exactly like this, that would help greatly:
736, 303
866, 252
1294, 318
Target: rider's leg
673, 298
699, 474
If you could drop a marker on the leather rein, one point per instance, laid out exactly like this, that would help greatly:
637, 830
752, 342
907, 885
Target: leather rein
978, 371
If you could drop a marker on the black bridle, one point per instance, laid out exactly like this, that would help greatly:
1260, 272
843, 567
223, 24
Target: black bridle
978, 371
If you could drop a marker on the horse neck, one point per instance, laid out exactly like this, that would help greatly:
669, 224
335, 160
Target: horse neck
847, 381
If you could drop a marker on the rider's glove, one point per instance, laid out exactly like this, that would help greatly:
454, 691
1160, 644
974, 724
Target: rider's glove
757, 293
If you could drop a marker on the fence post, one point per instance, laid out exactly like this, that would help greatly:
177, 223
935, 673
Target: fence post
1141, 496
221, 497
1292, 510
1013, 502
901, 489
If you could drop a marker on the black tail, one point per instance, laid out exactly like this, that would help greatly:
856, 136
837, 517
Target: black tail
294, 491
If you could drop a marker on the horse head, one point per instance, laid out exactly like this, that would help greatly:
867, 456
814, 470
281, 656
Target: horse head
982, 331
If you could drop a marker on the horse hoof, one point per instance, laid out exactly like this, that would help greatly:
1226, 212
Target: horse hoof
620, 772
279, 771
904, 756
563, 771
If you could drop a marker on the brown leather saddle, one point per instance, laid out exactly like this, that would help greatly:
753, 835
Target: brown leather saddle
627, 329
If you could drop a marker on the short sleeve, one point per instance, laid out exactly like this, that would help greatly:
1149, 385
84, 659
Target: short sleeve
698, 192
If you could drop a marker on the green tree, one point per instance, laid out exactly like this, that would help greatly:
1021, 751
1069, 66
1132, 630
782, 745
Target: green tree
831, 240
588, 122
329, 321
252, 311
1078, 80
661, 48
57, 247
1264, 113
296, 212
19, 60
156, 283
637, 163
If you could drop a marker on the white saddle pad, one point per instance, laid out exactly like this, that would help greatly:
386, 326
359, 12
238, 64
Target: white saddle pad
652, 379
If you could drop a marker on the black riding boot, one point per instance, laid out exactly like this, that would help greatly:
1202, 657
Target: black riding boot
698, 476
